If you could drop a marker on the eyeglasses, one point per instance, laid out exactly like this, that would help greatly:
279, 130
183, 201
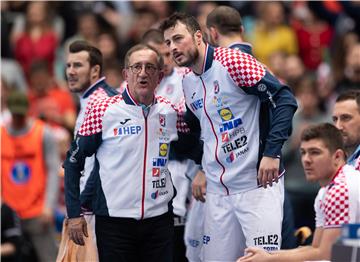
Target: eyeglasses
149, 68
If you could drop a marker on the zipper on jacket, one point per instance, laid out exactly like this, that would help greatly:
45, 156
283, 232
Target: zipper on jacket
144, 170
217, 141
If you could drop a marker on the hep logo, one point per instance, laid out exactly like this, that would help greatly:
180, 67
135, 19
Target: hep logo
206, 239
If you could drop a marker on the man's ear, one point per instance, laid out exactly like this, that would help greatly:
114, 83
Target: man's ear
161, 76
242, 29
214, 33
125, 74
198, 37
339, 155
95, 71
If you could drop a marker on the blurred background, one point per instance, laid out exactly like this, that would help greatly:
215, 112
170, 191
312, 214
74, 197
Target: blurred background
313, 46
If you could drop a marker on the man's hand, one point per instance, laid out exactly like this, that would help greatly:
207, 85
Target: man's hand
255, 254
199, 186
77, 229
268, 171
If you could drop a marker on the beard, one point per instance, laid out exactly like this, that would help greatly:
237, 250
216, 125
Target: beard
192, 55
80, 88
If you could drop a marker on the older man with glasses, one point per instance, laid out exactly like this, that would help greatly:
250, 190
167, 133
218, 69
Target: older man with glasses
130, 134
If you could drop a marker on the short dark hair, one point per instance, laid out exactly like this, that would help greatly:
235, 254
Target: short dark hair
153, 35
95, 55
39, 65
328, 133
226, 19
189, 21
350, 95
138, 47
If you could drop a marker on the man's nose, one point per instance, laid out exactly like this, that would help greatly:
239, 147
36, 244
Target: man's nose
338, 124
70, 70
305, 159
143, 70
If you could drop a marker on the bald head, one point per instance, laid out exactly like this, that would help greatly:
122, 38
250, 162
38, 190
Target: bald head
225, 19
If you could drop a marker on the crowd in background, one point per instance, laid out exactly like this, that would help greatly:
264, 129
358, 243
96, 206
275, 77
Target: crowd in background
314, 47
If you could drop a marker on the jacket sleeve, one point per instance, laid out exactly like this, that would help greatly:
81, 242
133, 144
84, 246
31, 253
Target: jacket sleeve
81, 147
281, 105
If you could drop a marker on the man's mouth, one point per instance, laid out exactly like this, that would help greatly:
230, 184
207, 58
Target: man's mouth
177, 55
143, 82
72, 80
308, 170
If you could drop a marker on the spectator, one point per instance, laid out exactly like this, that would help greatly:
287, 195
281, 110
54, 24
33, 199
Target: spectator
351, 70
88, 29
29, 168
314, 36
272, 30
294, 70
113, 75
109, 46
5, 113
39, 40
48, 101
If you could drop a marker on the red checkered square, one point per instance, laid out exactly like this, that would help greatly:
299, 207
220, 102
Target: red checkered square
180, 110
95, 96
93, 120
336, 203
244, 69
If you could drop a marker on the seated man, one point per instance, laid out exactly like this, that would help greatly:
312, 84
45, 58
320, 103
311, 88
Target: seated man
323, 159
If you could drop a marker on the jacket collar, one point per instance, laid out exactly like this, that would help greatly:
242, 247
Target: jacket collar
208, 58
242, 46
93, 87
128, 99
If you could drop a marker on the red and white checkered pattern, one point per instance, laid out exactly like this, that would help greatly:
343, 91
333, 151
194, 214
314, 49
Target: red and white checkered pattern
180, 110
243, 68
357, 164
94, 97
93, 120
336, 203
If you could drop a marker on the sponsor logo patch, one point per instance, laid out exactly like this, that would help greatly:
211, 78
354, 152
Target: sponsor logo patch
20, 173
127, 130
161, 183
159, 162
156, 172
157, 193
262, 87
193, 242
125, 121
162, 120
206, 239
225, 114
269, 242
230, 125
197, 104
163, 149
216, 87
224, 137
